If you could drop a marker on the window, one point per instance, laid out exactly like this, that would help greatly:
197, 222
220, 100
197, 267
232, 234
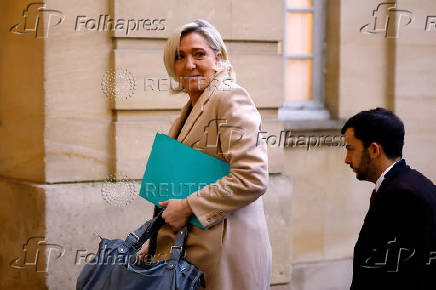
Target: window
303, 49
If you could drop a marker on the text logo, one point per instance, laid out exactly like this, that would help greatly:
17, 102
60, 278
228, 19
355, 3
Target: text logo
389, 258
211, 139
106, 23
118, 84
37, 254
118, 191
388, 19
33, 20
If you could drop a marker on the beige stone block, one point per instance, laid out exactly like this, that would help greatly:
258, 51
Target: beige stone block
364, 64
78, 134
22, 215
263, 22
419, 140
415, 72
22, 98
261, 75
152, 82
286, 286
407, 108
135, 132
363, 76
277, 201
257, 20
271, 130
332, 275
329, 204
85, 153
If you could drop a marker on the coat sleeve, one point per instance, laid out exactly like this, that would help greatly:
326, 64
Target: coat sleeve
239, 144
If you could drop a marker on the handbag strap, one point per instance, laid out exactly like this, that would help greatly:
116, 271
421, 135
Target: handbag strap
179, 246
150, 230
153, 240
137, 238
178, 250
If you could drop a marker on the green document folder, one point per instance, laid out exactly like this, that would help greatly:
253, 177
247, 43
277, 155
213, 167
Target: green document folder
175, 170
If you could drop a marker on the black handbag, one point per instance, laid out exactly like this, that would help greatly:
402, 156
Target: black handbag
117, 265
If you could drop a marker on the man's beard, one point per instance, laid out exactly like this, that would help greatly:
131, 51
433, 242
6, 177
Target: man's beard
362, 173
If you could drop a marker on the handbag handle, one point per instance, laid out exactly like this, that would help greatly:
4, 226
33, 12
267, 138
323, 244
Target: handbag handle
178, 249
138, 237
149, 230
179, 246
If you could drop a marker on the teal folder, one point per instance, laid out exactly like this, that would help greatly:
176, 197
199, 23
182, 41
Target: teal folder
175, 170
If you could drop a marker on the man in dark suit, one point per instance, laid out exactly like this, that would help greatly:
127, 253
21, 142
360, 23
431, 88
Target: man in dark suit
396, 248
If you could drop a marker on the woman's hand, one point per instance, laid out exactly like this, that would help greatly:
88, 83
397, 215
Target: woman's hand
143, 252
176, 213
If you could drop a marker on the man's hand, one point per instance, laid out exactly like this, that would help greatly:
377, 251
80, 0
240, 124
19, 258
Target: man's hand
176, 213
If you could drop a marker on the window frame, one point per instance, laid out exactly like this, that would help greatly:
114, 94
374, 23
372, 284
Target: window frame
313, 108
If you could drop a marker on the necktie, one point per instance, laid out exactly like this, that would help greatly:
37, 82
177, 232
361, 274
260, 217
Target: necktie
372, 195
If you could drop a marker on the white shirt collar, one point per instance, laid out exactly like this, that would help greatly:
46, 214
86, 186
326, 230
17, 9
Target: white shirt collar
382, 176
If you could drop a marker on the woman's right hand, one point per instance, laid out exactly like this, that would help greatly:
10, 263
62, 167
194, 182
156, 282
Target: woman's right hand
143, 252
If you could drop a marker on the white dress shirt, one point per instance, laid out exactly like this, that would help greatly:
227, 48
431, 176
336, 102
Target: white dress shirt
382, 176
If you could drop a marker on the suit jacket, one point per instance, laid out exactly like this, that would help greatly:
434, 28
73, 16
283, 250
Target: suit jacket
234, 252
396, 248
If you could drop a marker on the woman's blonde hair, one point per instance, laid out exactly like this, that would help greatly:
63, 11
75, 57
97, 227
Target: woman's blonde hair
211, 36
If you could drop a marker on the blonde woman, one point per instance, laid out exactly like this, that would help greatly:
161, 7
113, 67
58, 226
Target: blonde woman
221, 120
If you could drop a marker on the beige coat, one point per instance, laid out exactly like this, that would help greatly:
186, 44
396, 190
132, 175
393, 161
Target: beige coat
235, 251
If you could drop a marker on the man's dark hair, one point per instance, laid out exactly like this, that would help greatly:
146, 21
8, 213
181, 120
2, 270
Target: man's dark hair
381, 126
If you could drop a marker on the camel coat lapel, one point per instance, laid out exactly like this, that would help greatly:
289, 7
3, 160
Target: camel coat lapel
196, 112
